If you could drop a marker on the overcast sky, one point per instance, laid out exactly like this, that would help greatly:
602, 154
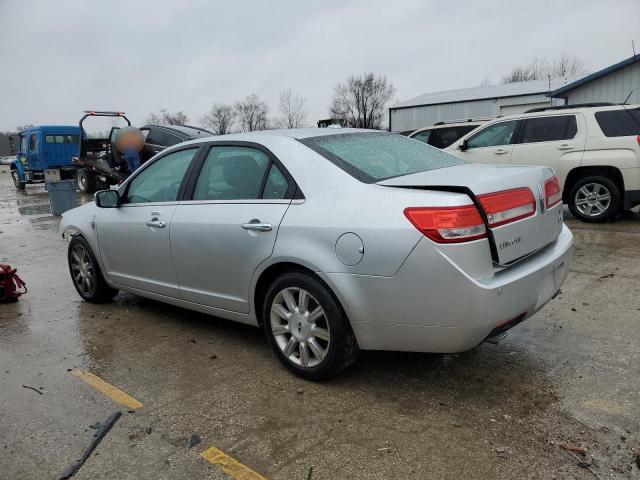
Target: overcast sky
61, 57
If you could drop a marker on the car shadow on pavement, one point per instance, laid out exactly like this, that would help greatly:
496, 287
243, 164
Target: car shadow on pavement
505, 376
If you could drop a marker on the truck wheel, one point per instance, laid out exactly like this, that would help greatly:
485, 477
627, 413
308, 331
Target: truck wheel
594, 199
86, 181
16, 180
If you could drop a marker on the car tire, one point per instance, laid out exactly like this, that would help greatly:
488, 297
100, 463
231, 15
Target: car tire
20, 185
85, 273
595, 199
85, 180
314, 344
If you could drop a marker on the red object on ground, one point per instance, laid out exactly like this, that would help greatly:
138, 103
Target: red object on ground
10, 284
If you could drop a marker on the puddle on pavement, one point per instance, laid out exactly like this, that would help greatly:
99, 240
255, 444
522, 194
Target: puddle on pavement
34, 206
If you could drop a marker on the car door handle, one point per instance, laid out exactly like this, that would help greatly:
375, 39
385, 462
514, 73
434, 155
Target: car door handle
260, 227
501, 151
565, 146
156, 223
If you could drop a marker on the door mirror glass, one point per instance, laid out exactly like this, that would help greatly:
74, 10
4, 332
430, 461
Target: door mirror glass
107, 199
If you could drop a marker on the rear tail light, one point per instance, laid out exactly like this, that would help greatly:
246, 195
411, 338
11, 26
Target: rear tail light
508, 206
552, 192
448, 224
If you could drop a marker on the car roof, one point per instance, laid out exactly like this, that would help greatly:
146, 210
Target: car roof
268, 136
54, 128
188, 130
565, 111
475, 123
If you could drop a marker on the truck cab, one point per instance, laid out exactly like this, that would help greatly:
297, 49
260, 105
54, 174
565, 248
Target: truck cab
42, 148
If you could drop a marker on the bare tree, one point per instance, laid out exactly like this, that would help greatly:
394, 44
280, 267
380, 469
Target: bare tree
220, 119
292, 109
164, 117
252, 113
565, 65
361, 101
19, 128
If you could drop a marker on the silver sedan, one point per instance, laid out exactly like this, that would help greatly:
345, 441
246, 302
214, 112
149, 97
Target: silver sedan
331, 240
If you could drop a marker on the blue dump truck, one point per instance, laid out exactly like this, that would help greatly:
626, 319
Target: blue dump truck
45, 147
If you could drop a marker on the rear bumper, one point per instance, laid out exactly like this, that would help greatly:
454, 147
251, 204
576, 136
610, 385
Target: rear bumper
431, 305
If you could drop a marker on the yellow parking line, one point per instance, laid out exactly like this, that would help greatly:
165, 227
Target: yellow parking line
109, 390
230, 465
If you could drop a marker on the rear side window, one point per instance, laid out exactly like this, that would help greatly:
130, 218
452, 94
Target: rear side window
549, 129
154, 137
169, 139
276, 185
61, 139
619, 123
231, 173
371, 157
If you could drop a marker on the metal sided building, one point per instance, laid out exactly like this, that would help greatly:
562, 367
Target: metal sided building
613, 84
479, 102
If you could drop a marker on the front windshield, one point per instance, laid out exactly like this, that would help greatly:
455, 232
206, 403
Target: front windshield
375, 156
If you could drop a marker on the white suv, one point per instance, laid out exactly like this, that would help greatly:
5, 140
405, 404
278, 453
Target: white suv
595, 151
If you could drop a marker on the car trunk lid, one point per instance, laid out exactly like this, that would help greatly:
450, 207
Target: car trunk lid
510, 241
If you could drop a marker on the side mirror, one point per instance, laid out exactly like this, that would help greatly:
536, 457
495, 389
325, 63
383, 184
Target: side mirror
107, 199
464, 145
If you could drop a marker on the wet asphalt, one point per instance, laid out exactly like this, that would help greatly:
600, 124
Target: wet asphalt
567, 376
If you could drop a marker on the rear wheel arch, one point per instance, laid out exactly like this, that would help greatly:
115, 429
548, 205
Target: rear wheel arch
612, 173
269, 274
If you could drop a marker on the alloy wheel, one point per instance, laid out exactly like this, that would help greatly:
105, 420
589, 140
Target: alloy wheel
299, 327
593, 199
82, 271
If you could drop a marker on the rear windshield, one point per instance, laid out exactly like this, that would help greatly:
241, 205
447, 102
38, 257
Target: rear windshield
619, 123
375, 156
62, 139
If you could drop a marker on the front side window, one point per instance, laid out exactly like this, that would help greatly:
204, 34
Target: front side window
33, 142
549, 129
619, 123
24, 142
423, 136
494, 135
443, 137
160, 181
231, 173
375, 156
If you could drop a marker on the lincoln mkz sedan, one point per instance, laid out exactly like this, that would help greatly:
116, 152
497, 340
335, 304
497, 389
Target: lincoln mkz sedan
331, 240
